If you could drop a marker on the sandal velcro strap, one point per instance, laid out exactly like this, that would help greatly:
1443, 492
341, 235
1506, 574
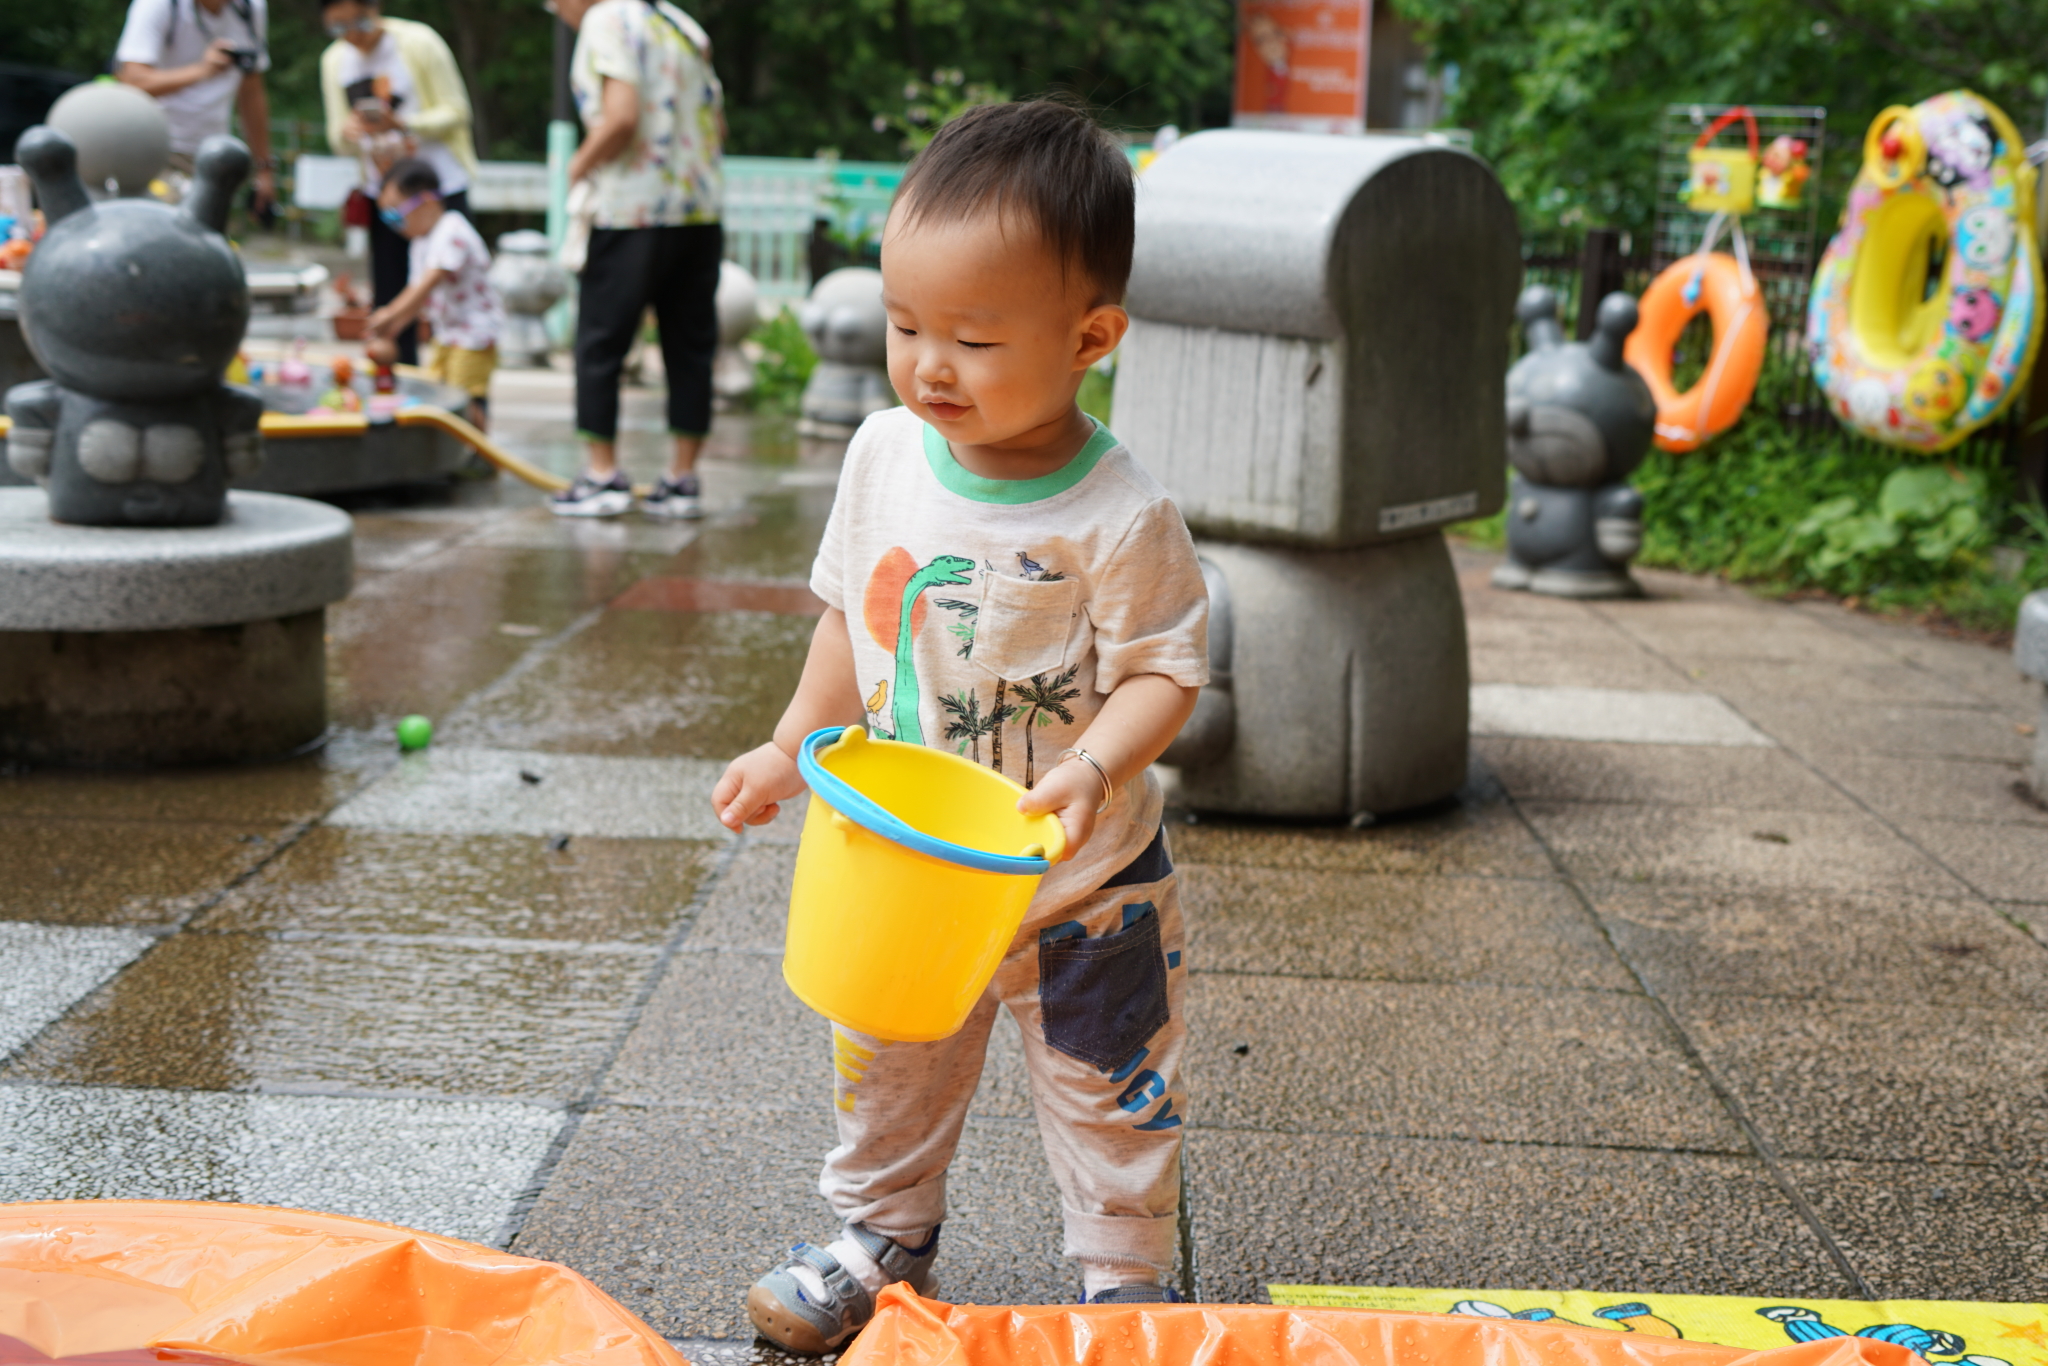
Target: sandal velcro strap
850, 1298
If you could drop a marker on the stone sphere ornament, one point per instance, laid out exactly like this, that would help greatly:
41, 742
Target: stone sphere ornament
739, 312
849, 329
122, 136
135, 309
1580, 420
529, 283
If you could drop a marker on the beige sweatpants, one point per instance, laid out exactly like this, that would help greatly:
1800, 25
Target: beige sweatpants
1096, 988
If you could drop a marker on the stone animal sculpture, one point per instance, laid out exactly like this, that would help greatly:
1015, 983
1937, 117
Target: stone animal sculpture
135, 309
1579, 421
849, 329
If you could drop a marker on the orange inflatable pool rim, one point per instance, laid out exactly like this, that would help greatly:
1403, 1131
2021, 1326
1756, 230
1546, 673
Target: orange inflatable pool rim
908, 1331
1731, 298
109, 1279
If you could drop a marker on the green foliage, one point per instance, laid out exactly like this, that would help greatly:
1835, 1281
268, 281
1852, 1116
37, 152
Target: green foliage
1094, 399
928, 108
1930, 522
1564, 96
785, 365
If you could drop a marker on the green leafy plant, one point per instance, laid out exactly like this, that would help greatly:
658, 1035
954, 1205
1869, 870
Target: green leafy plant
929, 107
1930, 521
784, 366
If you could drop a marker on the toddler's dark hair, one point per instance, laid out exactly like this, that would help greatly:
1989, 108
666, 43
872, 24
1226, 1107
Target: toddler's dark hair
1045, 161
414, 176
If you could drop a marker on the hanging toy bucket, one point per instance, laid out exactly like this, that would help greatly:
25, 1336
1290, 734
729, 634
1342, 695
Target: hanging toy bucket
1722, 179
913, 875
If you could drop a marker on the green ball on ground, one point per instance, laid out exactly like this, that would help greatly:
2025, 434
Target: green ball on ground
415, 732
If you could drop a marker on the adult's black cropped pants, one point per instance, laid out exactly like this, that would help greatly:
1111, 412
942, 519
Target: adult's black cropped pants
391, 268
674, 270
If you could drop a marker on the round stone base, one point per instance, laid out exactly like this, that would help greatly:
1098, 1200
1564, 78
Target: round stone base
200, 695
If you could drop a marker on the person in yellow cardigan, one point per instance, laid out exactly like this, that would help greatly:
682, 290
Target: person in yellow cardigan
392, 90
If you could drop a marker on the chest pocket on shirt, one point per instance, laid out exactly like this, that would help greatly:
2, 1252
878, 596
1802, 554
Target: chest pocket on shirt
1022, 628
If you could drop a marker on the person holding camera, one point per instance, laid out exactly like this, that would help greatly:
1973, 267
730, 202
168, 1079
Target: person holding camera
203, 61
391, 91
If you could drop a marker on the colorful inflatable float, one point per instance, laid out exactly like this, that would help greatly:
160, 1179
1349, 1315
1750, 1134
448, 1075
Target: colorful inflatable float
1926, 311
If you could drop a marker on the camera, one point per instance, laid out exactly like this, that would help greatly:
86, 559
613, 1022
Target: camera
245, 58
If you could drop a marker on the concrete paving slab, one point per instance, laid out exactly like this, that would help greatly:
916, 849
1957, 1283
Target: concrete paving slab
703, 684
388, 658
1479, 1062
451, 790
258, 795
1505, 931
49, 967
749, 908
1927, 1080
1745, 680
1697, 633
1614, 714
1334, 1209
457, 1168
1817, 727
1553, 668
106, 872
2001, 862
1939, 1232
1986, 670
1684, 775
1578, 633
1952, 789
1736, 849
493, 886
540, 529
773, 537
504, 1018
1822, 945
1478, 839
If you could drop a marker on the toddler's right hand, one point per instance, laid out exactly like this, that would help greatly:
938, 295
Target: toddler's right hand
754, 786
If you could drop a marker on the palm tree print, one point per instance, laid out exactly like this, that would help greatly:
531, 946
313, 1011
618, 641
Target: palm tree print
1039, 701
963, 629
968, 724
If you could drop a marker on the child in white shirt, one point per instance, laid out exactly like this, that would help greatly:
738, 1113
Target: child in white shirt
447, 283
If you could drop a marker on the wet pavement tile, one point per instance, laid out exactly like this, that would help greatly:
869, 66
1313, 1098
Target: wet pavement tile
773, 537
1824, 945
1816, 727
50, 967
1477, 1062
1737, 849
262, 795
459, 1168
105, 872
1689, 775
749, 908
539, 529
500, 886
388, 658
1935, 1079
1508, 931
1479, 839
348, 1015
455, 791
490, 584
1330, 1209
1939, 1231
2001, 862
703, 684
1950, 789
675, 1212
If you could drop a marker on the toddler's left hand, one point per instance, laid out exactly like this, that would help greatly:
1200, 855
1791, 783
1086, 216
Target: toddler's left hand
1073, 791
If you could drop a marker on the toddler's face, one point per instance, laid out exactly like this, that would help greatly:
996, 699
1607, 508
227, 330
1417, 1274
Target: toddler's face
987, 341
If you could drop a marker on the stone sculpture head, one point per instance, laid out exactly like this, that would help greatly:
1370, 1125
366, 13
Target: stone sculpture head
844, 318
132, 300
1578, 415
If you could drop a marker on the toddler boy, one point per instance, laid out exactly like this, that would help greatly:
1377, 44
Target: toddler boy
1003, 580
446, 282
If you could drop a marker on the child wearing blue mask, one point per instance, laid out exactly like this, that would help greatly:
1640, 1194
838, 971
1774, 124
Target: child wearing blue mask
447, 283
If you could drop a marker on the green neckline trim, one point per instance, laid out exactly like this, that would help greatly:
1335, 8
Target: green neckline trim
968, 484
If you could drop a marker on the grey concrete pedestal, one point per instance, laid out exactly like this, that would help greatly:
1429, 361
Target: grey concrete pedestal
2030, 652
132, 646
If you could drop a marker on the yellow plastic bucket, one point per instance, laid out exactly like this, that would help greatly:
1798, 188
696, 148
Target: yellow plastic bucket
913, 875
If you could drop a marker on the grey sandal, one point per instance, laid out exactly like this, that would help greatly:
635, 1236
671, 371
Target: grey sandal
794, 1318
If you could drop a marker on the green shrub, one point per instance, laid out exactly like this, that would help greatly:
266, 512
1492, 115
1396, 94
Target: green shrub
785, 365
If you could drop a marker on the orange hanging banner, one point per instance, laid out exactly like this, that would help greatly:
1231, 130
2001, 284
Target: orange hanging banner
1302, 65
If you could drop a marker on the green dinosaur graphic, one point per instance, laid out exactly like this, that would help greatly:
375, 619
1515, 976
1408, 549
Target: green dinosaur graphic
944, 569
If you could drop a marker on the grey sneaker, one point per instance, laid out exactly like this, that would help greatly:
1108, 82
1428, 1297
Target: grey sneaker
674, 498
795, 1319
588, 497
1136, 1294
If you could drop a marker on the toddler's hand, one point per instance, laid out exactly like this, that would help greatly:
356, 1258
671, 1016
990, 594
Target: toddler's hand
754, 786
1073, 790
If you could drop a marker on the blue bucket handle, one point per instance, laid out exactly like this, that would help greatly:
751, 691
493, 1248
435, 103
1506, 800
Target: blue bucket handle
847, 800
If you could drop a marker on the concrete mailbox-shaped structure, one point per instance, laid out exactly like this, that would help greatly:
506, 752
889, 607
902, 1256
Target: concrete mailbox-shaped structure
1315, 371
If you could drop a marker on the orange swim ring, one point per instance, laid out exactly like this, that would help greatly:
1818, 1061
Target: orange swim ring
1730, 297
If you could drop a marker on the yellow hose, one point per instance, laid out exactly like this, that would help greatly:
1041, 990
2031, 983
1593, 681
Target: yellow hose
288, 427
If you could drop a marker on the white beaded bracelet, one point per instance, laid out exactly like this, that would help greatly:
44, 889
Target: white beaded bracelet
1108, 789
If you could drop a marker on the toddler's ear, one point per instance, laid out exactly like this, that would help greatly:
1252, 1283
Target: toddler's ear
1102, 331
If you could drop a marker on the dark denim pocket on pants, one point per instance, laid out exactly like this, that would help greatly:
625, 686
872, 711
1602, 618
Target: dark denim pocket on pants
1100, 999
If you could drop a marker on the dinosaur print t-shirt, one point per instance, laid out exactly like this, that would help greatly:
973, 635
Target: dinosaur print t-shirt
993, 617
